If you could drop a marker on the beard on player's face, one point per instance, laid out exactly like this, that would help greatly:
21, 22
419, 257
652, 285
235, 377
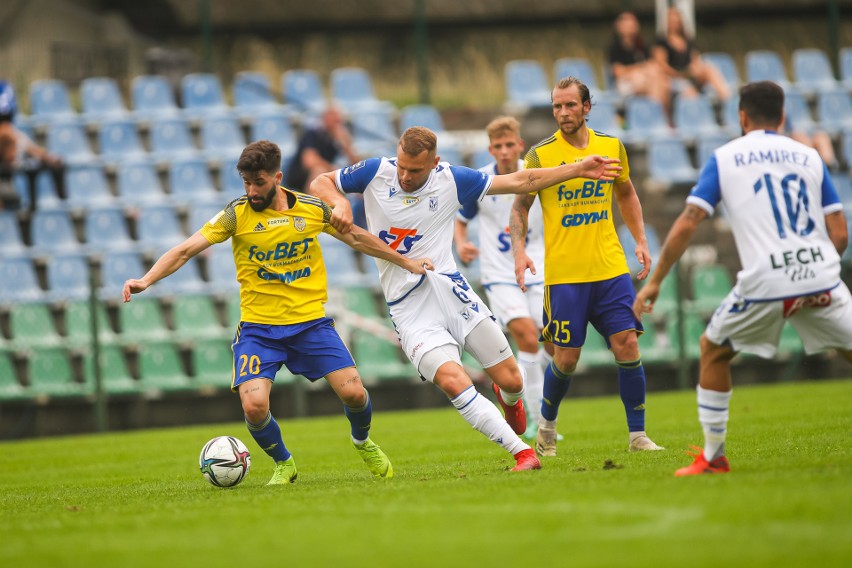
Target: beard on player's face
261, 202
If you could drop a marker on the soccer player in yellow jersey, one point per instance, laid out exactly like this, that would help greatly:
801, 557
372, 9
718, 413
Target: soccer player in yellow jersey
273, 233
586, 274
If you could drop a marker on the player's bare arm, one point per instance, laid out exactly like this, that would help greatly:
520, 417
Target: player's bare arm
673, 248
170, 262
631, 212
532, 180
835, 225
466, 250
324, 188
518, 227
369, 244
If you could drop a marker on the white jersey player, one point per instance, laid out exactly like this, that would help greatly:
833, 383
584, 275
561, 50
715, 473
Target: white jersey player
410, 202
518, 312
789, 230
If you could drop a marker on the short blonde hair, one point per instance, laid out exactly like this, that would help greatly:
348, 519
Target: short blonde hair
503, 126
418, 139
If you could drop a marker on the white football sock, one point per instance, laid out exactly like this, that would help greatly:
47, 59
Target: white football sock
530, 363
480, 413
713, 415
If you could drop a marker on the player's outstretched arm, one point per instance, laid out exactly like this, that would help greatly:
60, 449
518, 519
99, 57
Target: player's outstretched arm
838, 232
536, 179
171, 261
325, 188
518, 227
370, 244
673, 248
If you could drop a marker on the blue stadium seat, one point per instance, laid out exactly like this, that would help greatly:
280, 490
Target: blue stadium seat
137, 183
341, 263
604, 118
68, 139
87, 186
669, 164
53, 231
221, 271
101, 100
106, 229
352, 90
116, 267
373, 132
694, 118
303, 89
705, 146
158, 226
170, 138
798, 113
49, 101
190, 180
645, 120
766, 65
846, 68
846, 147
18, 280
731, 116
21, 185
203, 211
481, 158
276, 127
726, 65
153, 97
187, 280
202, 95
221, 138
582, 69
843, 185
527, 84
11, 240
47, 196
834, 111
253, 94
812, 71
449, 154
68, 277
118, 141
628, 243
230, 184
421, 115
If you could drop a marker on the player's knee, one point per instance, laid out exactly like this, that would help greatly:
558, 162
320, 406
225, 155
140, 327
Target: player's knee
566, 362
354, 397
452, 379
625, 346
713, 353
255, 410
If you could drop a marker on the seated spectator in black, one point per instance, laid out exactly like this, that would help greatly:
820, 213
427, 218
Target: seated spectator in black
633, 69
319, 148
677, 55
18, 153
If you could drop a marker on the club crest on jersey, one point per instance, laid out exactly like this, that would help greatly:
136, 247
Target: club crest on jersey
299, 223
433, 204
409, 200
259, 227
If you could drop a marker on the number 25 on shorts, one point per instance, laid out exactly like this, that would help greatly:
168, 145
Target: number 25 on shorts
561, 333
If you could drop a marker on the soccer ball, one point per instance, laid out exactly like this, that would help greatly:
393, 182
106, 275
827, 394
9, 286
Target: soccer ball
224, 461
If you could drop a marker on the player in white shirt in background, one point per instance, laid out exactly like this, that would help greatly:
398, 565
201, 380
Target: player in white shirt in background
517, 312
411, 202
790, 233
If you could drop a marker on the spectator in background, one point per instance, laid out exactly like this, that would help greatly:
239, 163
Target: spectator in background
814, 138
18, 153
631, 65
318, 152
676, 54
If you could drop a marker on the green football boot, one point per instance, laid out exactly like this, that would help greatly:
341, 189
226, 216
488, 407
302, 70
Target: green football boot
375, 458
285, 473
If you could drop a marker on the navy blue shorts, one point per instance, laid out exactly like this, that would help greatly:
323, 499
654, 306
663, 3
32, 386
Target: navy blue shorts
313, 349
569, 308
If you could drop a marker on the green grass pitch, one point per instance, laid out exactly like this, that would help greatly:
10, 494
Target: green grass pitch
137, 498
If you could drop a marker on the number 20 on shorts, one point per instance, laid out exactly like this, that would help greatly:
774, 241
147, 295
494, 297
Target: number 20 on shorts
252, 363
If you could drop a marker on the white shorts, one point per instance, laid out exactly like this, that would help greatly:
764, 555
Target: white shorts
509, 303
823, 321
441, 311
